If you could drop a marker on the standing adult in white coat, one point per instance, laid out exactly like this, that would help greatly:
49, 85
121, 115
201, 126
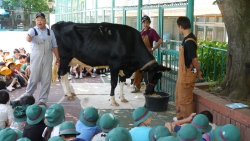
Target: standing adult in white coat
43, 43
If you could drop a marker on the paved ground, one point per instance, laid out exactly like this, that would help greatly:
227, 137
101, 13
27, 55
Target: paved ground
72, 108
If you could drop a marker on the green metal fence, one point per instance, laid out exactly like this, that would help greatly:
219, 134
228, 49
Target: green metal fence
212, 61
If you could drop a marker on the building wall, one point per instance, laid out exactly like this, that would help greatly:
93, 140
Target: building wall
204, 29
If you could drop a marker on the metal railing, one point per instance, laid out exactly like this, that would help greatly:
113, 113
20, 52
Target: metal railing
212, 63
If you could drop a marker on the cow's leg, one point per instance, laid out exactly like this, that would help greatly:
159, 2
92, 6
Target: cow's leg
114, 79
122, 82
66, 87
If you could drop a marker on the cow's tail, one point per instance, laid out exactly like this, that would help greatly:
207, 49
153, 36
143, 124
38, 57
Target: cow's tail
54, 69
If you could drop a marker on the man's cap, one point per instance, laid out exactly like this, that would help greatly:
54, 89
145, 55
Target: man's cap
145, 18
40, 14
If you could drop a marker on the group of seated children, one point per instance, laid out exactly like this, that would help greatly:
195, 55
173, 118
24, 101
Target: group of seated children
14, 74
79, 72
22, 120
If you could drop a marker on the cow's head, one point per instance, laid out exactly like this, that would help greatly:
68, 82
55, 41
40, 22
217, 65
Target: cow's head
151, 75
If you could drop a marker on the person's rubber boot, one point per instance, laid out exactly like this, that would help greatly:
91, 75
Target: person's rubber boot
136, 90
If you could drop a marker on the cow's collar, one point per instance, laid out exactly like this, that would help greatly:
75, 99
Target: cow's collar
148, 64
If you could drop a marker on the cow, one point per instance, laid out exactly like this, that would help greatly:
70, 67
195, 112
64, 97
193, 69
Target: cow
120, 47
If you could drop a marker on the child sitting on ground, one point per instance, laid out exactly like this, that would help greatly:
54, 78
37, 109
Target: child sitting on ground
6, 112
68, 131
86, 125
227, 132
54, 116
27, 70
14, 74
20, 72
105, 123
120, 133
20, 107
157, 132
188, 133
142, 121
5, 71
175, 126
35, 124
9, 134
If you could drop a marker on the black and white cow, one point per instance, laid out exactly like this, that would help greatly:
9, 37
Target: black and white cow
104, 44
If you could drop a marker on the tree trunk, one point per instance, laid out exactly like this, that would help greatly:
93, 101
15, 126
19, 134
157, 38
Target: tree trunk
235, 14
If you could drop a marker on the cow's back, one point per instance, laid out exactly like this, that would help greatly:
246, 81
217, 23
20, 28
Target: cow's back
98, 44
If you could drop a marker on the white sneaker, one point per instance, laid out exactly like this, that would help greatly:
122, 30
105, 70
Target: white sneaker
76, 76
18, 86
92, 75
175, 119
69, 77
10, 88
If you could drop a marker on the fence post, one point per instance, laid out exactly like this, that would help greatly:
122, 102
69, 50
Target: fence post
96, 6
139, 15
112, 12
85, 8
190, 12
103, 15
160, 23
124, 16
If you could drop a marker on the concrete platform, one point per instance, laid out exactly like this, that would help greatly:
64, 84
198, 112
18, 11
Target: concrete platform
123, 112
97, 94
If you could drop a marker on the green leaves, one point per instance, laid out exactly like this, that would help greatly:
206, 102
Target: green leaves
212, 57
33, 5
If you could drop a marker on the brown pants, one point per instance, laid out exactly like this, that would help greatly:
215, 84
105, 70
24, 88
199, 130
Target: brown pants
184, 95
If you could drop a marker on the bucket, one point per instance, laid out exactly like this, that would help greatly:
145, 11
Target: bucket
157, 104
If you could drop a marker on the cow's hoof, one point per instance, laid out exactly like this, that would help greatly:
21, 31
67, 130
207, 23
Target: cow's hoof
124, 100
73, 94
115, 104
71, 98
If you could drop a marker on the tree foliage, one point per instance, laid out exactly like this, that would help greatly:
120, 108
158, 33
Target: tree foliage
32, 5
